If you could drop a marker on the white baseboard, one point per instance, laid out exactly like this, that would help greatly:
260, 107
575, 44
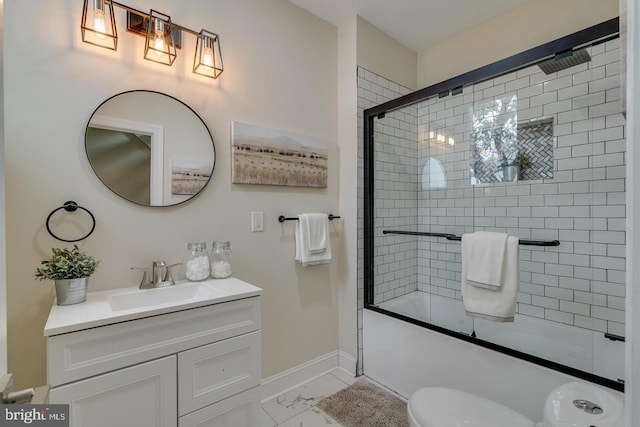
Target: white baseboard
284, 381
347, 362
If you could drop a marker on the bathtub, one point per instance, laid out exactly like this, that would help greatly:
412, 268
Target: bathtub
575, 347
406, 357
416, 305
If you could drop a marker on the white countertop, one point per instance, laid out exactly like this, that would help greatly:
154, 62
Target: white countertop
101, 308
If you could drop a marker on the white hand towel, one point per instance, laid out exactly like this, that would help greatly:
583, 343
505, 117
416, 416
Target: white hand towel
303, 240
318, 229
500, 305
486, 261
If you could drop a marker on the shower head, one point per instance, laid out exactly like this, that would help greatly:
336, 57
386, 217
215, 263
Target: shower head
565, 60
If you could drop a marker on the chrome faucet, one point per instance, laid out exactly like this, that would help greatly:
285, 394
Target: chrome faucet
160, 275
156, 271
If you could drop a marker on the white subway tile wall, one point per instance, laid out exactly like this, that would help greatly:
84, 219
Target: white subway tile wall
580, 282
374, 90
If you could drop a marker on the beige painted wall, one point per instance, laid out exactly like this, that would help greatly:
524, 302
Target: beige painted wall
385, 56
280, 71
529, 25
346, 279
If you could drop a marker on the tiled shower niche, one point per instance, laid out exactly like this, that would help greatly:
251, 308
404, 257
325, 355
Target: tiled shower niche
535, 144
571, 132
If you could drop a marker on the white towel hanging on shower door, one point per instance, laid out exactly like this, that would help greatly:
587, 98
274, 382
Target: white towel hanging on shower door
487, 259
497, 305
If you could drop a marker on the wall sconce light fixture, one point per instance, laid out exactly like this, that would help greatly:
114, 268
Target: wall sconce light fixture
162, 37
99, 24
440, 137
159, 45
208, 60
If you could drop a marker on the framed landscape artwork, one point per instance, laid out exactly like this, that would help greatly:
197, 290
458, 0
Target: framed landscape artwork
276, 157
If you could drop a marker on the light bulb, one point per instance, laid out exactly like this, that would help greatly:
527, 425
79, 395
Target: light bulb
158, 44
158, 38
207, 57
98, 23
452, 141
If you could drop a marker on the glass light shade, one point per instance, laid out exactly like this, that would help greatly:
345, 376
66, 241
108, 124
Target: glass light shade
208, 57
159, 45
98, 24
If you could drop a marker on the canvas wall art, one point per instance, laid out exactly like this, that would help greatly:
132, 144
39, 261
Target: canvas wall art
267, 156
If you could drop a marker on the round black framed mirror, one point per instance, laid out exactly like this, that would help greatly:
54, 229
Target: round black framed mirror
150, 148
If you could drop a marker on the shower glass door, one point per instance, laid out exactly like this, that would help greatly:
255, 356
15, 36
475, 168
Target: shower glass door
538, 155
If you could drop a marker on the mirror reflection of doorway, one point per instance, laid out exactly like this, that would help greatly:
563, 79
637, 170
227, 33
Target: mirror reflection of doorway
138, 148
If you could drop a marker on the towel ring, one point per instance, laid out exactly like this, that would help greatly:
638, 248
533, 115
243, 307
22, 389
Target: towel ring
71, 206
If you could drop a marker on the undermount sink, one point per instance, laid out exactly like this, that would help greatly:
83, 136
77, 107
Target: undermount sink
157, 296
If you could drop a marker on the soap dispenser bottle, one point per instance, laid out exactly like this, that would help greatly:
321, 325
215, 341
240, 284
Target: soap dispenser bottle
196, 262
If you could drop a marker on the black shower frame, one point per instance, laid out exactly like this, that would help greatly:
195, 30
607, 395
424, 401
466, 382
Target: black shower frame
594, 35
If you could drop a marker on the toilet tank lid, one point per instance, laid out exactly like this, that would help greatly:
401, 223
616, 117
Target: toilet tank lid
442, 407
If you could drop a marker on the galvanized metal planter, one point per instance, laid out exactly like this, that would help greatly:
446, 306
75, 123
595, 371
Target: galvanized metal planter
71, 291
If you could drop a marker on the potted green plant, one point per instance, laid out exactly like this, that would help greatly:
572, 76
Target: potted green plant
70, 270
509, 171
523, 163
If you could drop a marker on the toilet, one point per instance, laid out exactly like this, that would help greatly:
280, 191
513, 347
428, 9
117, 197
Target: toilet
575, 404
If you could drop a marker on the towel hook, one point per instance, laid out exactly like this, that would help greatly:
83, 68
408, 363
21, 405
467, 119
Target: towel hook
71, 206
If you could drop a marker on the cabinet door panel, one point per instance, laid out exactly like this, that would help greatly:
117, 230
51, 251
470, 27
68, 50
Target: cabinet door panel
241, 410
140, 396
212, 372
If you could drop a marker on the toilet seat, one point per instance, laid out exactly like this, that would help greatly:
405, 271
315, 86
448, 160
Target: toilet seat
445, 407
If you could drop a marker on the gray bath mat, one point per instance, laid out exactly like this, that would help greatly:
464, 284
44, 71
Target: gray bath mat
365, 405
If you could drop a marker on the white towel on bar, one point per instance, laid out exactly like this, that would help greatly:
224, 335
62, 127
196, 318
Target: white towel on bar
486, 260
497, 305
318, 229
313, 246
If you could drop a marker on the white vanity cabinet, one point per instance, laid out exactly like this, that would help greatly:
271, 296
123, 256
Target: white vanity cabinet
193, 367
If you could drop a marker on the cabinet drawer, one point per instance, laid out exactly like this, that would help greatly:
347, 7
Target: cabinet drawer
139, 396
241, 410
212, 372
91, 352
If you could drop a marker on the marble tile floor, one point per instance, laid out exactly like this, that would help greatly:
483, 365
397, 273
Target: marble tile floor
297, 407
